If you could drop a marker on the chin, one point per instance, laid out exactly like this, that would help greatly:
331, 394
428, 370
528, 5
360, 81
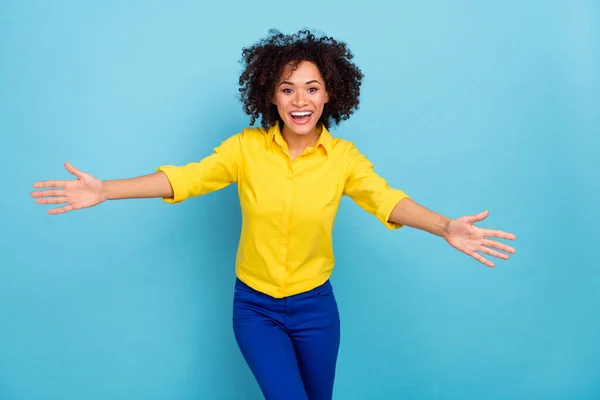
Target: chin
301, 130
304, 131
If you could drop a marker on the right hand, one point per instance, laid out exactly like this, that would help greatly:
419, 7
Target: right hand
86, 191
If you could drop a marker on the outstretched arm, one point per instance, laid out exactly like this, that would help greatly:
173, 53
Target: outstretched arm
173, 183
460, 233
88, 191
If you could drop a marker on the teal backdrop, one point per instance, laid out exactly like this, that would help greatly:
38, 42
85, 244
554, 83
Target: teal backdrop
465, 105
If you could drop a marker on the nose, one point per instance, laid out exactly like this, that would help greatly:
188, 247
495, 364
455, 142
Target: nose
299, 99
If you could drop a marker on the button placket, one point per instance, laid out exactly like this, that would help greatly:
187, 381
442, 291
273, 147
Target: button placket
285, 223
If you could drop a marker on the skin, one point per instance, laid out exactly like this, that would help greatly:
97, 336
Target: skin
302, 89
460, 233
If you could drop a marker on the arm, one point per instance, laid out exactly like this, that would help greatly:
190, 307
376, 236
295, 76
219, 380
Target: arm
172, 183
460, 233
409, 213
147, 186
395, 209
88, 191
369, 190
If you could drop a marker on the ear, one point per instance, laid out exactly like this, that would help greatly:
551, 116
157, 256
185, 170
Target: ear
326, 97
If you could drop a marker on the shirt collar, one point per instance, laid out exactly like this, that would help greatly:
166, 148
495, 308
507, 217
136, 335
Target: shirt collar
325, 139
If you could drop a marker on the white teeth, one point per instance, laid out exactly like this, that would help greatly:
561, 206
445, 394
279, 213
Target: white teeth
301, 114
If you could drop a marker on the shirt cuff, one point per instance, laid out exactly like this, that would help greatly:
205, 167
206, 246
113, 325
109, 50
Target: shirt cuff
177, 180
392, 197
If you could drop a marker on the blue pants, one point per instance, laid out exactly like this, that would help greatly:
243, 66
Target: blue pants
290, 344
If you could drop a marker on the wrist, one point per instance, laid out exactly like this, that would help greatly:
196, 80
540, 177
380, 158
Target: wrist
104, 193
444, 226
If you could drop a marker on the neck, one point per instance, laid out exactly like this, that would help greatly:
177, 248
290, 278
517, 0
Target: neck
297, 142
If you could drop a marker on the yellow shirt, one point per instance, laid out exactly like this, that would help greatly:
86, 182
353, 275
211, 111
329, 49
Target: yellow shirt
288, 208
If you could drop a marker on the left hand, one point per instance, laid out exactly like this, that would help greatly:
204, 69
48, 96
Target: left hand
466, 237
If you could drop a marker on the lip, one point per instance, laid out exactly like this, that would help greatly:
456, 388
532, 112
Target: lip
301, 122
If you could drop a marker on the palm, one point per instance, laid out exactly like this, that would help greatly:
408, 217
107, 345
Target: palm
86, 191
463, 235
83, 192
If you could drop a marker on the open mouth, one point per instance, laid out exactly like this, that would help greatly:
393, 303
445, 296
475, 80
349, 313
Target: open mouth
301, 117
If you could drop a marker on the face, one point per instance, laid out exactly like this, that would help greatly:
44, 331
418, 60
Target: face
300, 97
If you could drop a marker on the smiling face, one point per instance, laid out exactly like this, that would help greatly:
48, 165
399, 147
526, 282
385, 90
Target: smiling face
300, 97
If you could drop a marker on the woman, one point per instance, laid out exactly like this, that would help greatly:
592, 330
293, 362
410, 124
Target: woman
291, 174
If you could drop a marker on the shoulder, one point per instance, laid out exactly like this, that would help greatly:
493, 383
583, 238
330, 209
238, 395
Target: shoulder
347, 153
245, 136
343, 146
252, 135
342, 143
253, 132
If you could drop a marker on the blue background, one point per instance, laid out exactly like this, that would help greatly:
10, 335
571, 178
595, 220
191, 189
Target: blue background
466, 106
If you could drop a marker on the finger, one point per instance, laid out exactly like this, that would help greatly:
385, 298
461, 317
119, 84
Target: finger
477, 217
498, 245
46, 193
74, 170
493, 253
500, 234
52, 200
47, 184
483, 260
61, 210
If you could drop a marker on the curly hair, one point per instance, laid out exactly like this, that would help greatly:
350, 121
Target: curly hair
264, 62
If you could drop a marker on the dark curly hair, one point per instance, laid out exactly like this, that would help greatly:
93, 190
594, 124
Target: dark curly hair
264, 62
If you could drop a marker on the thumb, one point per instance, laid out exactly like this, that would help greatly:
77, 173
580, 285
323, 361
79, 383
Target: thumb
74, 171
477, 217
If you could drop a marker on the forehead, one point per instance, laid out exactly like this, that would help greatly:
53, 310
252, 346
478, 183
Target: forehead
304, 72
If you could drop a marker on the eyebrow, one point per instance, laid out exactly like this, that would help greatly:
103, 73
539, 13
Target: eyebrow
307, 83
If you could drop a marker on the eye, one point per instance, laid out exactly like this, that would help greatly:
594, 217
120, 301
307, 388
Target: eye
312, 90
287, 91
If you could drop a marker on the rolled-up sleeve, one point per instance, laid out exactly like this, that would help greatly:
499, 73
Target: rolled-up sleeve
212, 173
369, 190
